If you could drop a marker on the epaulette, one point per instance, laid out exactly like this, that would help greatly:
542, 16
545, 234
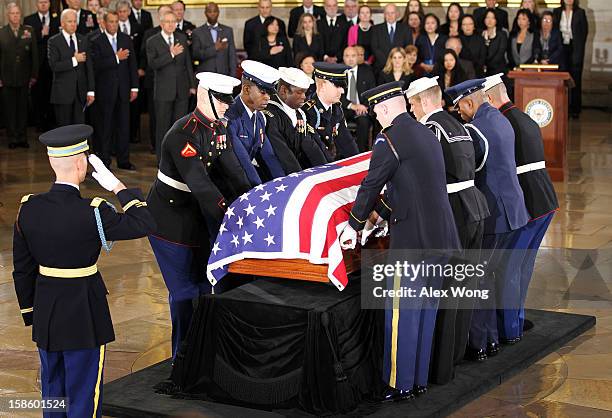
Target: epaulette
267, 113
310, 129
25, 198
96, 202
310, 103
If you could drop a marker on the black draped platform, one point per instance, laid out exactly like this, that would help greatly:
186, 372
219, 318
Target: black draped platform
282, 347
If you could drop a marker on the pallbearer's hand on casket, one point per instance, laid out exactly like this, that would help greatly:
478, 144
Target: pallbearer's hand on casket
367, 230
348, 238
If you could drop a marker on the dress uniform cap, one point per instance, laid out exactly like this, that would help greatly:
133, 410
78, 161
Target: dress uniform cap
493, 81
464, 89
383, 92
336, 73
67, 140
261, 74
295, 77
221, 86
420, 85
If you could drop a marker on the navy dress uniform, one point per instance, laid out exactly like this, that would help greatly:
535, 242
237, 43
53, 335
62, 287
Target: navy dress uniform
198, 176
328, 119
407, 158
57, 240
247, 128
541, 202
294, 141
496, 177
470, 209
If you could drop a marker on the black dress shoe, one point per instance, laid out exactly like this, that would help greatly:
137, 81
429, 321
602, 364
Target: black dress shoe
128, 166
510, 341
419, 390
393, 395
492, 349
475, 354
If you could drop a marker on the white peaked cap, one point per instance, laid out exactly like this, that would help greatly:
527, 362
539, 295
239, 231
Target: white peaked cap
219, 83
493, 81
295, 77
420, 85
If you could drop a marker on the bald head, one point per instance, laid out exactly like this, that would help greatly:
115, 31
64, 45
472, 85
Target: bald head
391, 13
70, 169
389, 110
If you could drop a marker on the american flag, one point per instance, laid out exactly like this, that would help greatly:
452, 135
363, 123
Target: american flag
297, 216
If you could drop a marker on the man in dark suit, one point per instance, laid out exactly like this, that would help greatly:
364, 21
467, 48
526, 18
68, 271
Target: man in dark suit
307, 7
388, 35
45, 24
72, 87
182, 25
360, 78
169, 58
253, 28
141, 17
350, 13
114, 67
18, 71
213, 45
500, 15
86, 21
333, 31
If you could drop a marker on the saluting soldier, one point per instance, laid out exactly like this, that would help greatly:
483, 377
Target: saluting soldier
247, 123
18, 72
198, 175
494, 143
324, 111
469, 207
540, 199
293, 140
56, 241
407, 158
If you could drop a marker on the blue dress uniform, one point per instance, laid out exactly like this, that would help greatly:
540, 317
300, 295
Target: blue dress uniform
247, 129
329, 122
198, 176
407, 158
56, 243
541, 202
496, 177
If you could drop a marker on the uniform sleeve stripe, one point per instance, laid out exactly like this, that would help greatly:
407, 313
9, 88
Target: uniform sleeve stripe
354, 217
27, 310
385, 203
134, 202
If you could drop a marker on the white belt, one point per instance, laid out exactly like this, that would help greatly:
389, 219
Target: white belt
172, 183
530, 167
457, 187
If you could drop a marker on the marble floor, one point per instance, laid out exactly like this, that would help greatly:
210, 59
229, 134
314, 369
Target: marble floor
575, 381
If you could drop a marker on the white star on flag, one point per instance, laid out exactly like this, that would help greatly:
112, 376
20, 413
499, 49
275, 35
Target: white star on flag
259, 188
239, 222
265, 196
229, 212
235, 240
247, 238
278, 179
280, 188
249, 209
244, 197
216, 248
258, 222
222, 228
269, 239
294, 174
271, 211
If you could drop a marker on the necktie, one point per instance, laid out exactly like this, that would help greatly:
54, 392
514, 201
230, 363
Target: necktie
72, 46
178, 26
331, 23
42, 21
138, 16
124, 29
254, 122
170, 41
352, 91
213, 33
392, 33
114, 44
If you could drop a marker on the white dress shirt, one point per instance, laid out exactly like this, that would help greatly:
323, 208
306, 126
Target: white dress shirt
46, 16
389, 26
127, 25
292, 113
349, 75
76, 186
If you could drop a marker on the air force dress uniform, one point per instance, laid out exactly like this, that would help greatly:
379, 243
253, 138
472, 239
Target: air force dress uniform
247, 129
57, 240
541, 202
470, 209
198, 171
407, 158
329, 121
496, 177
293, 140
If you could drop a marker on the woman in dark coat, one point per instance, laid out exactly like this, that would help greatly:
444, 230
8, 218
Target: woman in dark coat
306, 39
551, 41
273, 48
431, 43
524, 43
570, 19
496, 43
474, 48
452, 26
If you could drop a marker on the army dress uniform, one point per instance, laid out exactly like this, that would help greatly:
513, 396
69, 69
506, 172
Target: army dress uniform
470, 209
328, 121
407, 158
541, 202
19, 62
198, 177
57, 240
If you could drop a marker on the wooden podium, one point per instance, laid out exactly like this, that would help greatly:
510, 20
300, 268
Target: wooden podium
544, 97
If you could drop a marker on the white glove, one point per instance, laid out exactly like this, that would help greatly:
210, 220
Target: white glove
382, 230
348, 238
103, 174
367, 231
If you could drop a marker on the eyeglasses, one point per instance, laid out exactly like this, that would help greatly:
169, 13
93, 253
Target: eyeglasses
547, 20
